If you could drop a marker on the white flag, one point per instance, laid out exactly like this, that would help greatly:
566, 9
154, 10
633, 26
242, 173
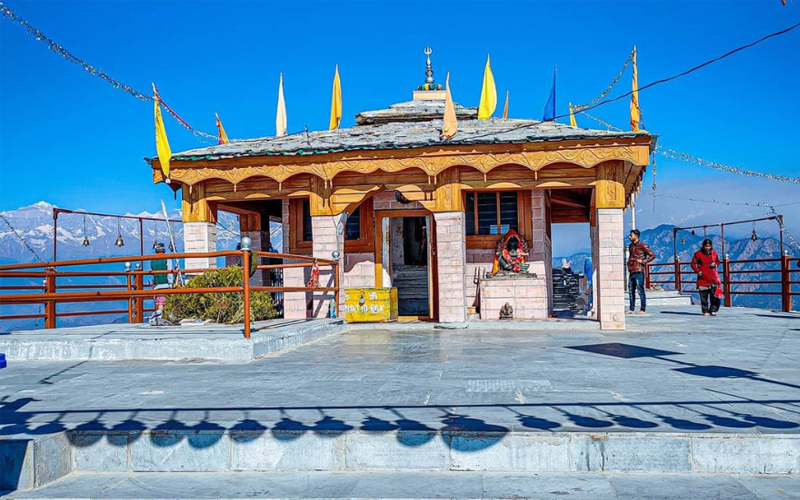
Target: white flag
280, 117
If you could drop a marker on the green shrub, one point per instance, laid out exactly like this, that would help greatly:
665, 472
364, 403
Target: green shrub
218, 307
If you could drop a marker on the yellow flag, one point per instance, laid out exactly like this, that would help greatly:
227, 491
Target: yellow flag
635, 112
336, 101
222, 137
280, 116
572, 121
505, 108
450, 125
488, 94
162, 145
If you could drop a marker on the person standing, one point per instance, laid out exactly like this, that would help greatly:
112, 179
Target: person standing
160, 281
705, 263
639, 255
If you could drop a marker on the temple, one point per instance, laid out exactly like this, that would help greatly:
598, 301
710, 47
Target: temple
428, 217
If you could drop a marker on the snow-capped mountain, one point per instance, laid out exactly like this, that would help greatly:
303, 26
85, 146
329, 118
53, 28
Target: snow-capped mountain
34, 224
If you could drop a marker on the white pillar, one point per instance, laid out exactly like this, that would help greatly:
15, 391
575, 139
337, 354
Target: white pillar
610, 286
541, 251
451, 259
200, 237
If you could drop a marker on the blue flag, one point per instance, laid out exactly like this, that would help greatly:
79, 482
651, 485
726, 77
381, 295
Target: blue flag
550, 107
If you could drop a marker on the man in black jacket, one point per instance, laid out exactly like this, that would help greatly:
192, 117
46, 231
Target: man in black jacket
639, 255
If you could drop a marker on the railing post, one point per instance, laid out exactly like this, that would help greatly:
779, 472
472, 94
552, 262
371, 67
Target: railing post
786, 282
726, 280
128, 284
678, 280
139, 301
647, 276
336, 286
50, 305
246, 291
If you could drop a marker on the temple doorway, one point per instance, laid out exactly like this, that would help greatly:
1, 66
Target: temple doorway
403, 258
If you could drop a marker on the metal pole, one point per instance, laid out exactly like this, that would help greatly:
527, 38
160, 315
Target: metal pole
55, 234
633, 211
675, 259
780, 227
722, 231
141, 237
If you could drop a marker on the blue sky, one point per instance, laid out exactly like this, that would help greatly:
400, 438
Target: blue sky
71, 139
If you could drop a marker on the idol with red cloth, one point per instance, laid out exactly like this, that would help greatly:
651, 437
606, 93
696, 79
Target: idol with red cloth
705, 263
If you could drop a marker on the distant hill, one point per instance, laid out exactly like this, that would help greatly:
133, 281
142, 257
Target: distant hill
35, 224
660, 241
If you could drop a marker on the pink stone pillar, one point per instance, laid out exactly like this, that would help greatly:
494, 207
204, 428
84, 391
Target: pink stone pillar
610, 286
199, 237
451, 260
328, 237
295, 304
541, 251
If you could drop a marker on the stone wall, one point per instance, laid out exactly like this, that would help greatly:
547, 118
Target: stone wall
526, 295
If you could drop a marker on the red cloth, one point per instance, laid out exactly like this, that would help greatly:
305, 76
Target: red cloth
701, 263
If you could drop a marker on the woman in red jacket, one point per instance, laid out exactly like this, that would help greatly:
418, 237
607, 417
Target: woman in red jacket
705, 263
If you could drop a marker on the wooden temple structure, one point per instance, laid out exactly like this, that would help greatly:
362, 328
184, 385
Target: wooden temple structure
405, 209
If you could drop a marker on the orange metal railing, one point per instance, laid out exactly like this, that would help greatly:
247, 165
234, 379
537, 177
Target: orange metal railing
778, 271
130, 286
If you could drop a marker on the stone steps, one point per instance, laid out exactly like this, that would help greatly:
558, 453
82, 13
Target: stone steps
419, 485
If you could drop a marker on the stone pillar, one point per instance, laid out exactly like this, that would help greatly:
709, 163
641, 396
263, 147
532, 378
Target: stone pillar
541, 251
595, 250
328, 237
451, 259
200, 237
295, 304
610, 284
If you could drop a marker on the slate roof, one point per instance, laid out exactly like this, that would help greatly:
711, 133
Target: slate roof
405, 125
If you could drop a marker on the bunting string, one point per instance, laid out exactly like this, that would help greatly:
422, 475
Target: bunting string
616, 79
677, 155
763, 204
60, 50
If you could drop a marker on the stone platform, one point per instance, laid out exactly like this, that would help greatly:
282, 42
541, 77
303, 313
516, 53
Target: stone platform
695, 397
140, 342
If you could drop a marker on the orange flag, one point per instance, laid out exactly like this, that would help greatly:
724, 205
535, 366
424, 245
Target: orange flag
450, 125
222, 137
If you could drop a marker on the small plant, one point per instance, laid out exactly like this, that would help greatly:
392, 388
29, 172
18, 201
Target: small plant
218, 307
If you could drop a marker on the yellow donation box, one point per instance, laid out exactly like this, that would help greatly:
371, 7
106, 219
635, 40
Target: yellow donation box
366, 305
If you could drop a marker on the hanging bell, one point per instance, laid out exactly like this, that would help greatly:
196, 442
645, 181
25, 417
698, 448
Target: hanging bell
85, 241
754, 236
119, 241
171, 247
683, 242
693, 233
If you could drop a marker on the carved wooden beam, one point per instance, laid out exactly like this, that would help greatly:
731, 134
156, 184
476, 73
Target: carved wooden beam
609, 189
196, 207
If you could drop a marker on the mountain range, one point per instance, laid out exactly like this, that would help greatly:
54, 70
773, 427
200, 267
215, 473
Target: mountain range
34, 225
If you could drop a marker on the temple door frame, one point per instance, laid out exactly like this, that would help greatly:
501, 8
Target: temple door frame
433, 288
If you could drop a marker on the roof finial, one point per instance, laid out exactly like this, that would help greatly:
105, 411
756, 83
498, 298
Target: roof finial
428, 70
429, 83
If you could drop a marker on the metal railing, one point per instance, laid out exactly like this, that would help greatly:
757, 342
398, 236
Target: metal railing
777, 271
129, 285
